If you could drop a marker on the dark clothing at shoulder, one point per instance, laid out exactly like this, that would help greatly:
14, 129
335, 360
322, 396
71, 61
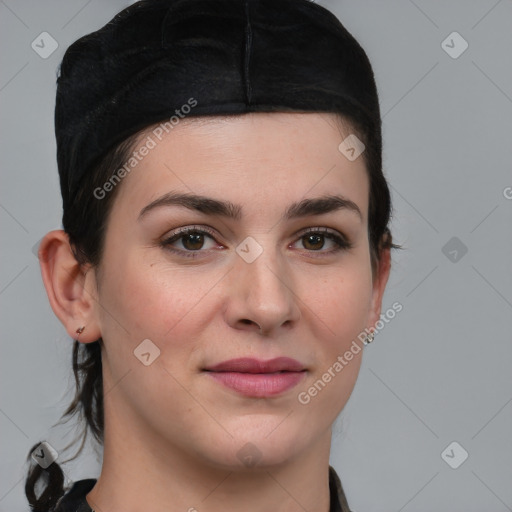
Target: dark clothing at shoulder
74, 500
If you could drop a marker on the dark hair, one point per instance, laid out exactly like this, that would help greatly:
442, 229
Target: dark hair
85, 223
85, 220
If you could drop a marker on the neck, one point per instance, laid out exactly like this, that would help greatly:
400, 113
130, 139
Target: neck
141, 472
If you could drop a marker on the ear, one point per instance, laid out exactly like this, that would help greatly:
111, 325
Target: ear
380, 280
71, 288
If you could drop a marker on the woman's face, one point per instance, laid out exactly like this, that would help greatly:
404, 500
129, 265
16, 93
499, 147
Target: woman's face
167, 311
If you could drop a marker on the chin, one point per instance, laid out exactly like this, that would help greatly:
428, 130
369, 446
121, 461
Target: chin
258, 447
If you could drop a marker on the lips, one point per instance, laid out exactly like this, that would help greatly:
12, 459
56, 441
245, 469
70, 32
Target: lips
256, 378
250, 365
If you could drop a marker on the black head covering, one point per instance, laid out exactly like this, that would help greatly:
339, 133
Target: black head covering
214, 57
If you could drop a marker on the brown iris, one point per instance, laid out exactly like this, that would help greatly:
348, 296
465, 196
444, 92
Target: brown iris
196, 241
317, 239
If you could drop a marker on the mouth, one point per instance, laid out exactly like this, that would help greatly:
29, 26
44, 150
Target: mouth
251, 365
257, 378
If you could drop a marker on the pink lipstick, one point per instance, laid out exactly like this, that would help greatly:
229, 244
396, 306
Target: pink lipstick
257, 378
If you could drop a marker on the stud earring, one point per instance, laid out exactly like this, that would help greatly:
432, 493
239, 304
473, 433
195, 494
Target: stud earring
369, 338
80, 330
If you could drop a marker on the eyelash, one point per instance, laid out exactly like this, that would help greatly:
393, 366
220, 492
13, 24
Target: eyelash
342, 243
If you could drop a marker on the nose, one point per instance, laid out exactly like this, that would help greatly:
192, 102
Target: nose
261, 295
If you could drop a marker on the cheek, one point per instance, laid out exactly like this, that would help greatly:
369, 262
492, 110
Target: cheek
342, 303
339, 315
158, 300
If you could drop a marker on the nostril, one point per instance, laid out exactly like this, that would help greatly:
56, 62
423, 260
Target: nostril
249, 322
246, 321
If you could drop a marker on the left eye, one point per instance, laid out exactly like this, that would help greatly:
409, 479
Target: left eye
315, 240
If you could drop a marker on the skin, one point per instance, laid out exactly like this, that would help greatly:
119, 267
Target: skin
172, 433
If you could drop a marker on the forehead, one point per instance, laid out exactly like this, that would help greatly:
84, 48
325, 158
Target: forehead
251, 159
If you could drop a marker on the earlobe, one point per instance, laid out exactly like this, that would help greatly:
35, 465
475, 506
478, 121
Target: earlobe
69, 289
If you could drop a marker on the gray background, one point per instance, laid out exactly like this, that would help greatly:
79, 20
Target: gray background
439, 372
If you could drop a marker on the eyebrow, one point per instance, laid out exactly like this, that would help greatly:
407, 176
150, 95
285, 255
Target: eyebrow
210, 206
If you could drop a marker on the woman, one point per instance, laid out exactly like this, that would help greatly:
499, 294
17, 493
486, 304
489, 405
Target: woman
224, 255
